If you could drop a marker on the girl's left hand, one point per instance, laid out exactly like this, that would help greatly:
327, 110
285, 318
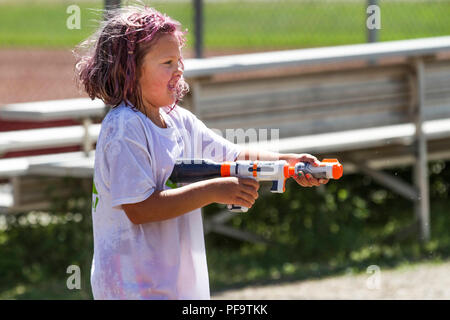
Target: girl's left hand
305, 180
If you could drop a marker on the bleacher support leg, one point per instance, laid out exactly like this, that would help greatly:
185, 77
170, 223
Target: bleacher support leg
422, 203
87, 143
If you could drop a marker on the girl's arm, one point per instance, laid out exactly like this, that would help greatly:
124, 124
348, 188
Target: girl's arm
168, 204
256, 154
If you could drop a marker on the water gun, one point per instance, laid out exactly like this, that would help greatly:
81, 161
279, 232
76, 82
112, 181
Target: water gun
193, 170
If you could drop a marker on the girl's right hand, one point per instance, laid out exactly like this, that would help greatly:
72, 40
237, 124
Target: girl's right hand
232, 190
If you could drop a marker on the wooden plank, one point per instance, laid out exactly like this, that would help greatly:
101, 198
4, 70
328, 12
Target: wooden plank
294, 123
299, 98
54, 110
46, 137
259, 85
436, 67
272, 106
78, 168
12, 167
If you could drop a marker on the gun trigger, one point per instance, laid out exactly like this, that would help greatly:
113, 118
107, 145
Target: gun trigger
274, 186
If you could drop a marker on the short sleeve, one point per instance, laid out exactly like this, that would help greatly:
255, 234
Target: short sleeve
213, 145
131, 178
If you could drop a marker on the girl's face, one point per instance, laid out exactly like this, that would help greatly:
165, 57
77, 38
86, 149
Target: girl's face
160, 72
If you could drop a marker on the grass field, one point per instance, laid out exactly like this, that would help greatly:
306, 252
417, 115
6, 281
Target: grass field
236, 25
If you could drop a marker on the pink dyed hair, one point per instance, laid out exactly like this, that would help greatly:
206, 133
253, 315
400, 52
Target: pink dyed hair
109, 62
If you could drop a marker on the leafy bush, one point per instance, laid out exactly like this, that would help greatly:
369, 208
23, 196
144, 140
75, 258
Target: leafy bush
37, 247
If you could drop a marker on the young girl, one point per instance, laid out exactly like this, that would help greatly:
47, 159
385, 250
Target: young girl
148, 238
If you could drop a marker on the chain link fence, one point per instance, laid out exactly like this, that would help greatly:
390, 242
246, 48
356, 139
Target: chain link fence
261, 25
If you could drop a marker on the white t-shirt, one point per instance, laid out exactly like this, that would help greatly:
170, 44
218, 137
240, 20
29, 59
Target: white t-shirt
134, 157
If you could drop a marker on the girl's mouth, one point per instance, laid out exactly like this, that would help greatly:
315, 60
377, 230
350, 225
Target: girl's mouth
173, 83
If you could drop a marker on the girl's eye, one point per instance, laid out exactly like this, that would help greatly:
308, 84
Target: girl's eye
168, 62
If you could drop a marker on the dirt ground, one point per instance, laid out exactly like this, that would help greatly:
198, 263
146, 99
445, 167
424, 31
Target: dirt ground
423, 281
38, 74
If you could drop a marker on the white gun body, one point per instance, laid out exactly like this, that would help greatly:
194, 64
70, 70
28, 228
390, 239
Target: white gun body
191, 170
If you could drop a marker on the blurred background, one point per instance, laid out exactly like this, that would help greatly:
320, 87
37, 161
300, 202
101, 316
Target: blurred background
335, 231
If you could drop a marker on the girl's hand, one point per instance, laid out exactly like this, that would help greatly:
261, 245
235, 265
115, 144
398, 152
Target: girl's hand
304, 180
232, 190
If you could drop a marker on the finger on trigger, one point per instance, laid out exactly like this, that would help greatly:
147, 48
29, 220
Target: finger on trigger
312, 181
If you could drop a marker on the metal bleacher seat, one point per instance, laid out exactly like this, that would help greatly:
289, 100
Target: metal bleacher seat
29, 190
28, 183
32, 139
26, 189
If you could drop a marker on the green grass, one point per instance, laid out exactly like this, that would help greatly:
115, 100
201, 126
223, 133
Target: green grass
42, 25
236, 25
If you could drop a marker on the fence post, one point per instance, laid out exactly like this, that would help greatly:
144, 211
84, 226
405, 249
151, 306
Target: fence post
372, 34
110, 5
198, 28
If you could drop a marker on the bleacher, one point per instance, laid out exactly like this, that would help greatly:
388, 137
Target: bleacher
325, 101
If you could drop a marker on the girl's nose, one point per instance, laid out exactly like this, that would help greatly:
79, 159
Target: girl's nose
179, 72
180, 69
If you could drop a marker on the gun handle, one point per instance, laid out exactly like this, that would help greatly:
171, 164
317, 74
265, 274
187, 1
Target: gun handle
235, 208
